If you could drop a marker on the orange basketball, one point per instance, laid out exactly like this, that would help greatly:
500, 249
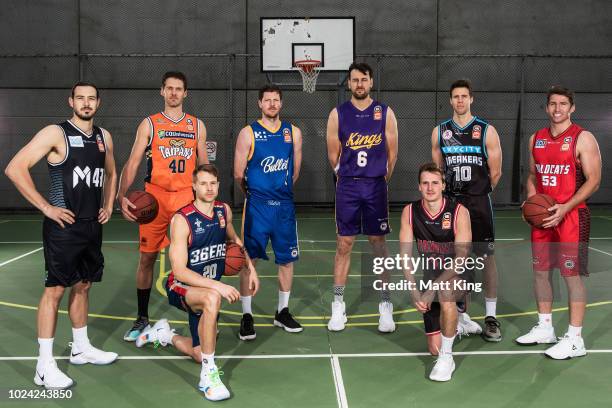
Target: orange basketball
536, 208
235, 259
146, 206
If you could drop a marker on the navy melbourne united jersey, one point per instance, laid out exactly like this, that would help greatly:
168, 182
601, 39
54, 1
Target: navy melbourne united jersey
78, 180
206, 249
434, 233
269, 170
465, 157
362, 138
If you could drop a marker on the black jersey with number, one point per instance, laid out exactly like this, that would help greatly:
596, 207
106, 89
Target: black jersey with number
78, 180
434, 233
465, 157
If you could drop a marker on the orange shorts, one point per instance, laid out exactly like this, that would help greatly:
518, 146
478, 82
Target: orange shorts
153, 236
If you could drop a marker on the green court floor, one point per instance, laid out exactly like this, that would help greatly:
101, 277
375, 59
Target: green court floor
358, 367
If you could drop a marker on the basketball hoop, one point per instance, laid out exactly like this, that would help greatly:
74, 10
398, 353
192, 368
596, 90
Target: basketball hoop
309, 69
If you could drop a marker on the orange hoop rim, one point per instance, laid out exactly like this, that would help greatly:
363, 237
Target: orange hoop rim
307, 65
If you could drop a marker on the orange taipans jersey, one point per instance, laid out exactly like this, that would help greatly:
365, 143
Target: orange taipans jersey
171, 152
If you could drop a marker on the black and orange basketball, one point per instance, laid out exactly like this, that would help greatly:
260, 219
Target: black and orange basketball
536, 208
235, 259
146, 206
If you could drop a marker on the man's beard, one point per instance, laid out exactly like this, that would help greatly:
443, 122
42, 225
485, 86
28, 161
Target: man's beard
85, 117
362, 96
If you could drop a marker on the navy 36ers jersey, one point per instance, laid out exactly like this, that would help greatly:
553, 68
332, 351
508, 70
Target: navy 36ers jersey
465, 157
78, 180
269, 171
363, 142
434, 233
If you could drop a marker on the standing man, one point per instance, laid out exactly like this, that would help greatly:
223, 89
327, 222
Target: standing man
565, 164
441, 229
362, 151
83, 182
267, 164
172, 142
469, 150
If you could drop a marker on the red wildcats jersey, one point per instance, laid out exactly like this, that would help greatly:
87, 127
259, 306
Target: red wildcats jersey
558, 172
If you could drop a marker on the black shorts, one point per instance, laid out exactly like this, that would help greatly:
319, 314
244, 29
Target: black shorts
72, 254
481, 217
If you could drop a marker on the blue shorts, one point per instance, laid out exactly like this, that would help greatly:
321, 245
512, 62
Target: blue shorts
362, 206
176, 298
271, 220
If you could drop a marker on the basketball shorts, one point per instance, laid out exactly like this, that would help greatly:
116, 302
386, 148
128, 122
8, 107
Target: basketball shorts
153, 236
565, 246
431, 318
481, 218
362, 206
274, 221
176, 297
72, 254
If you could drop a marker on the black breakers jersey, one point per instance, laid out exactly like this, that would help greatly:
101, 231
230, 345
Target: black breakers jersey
434, 233
465, 157
77, 181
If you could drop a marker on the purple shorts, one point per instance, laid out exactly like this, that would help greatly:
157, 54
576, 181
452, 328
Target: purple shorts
362, 206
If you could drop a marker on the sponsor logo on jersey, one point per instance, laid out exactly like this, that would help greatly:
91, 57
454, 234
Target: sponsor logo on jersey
176, 148
189, 121
378, 112
221, 218
287, 135
446, 220
476, 132
198, 225
271, 164
75, 141
261, 136
565, 147
461, 149
358, 141
540, 143
100, 143
174, 133
160, 121
567, 139
447, 134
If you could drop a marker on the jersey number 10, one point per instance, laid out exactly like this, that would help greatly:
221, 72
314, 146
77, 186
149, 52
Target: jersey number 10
463, 173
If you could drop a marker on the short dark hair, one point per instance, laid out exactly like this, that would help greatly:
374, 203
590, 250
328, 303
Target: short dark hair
270, 88
361, 67
177, 75
431, 168
560, 90
206, 168
461, 83
83, 83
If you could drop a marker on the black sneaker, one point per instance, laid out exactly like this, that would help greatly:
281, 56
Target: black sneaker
247, 329
138, 327
492, 330
286, 321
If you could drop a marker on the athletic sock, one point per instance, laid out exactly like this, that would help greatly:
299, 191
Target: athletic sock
79, 337
143, 302
385, 296
574, 331
447, 345
208, 360
339, 293
490, 306
545, 320
283, 300
45, 349
246, 304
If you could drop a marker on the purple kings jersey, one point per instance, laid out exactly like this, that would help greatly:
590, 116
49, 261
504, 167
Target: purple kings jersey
362, 136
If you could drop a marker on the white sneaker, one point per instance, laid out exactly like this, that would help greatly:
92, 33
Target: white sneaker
91, 355
338, 317
538, 335
211, 385
50, 376
385, 321
466, 326
567, 347
160, 333
443, 370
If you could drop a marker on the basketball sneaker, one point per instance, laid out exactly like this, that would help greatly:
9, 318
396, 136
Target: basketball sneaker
139, 325
443, 369
90, 355
385, 321
538, 335
51, 377
285, 320
210, 384
567, 347
338, 317
247, 328
466, 326
160, 333
492, 331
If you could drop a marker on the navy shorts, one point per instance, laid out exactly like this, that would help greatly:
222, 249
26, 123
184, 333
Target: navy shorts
176, 297
362, 206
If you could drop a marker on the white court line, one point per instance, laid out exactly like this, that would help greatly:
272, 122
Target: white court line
339, 382
599, 250
19, 257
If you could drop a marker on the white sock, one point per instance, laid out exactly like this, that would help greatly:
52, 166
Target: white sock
490, 306
339, 293
79, 337
283, 300
574, 331
545, 320
208, 360
246, 304
45, 349
447, 345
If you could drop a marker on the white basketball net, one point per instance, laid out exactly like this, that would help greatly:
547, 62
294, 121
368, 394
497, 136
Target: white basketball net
309, 69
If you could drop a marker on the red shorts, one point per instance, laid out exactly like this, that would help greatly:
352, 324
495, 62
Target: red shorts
153, 235
565, 246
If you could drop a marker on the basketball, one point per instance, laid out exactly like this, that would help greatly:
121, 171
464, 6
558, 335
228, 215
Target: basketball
235, 259
536, 208
146, 206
